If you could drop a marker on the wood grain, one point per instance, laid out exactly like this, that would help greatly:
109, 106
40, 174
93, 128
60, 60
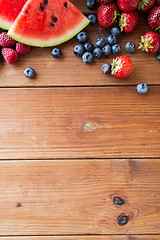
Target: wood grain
76, 197
79, 123
111, 237
71, 71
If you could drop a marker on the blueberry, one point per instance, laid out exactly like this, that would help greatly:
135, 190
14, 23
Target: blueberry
82, 37
88, 47
87, 57
29, 72
92, 18
106, 68
97, 52
106, 50
100, 42
111, 39
91, 4
130, 47
56, 52
158, 57
116, 31
142, 88
116, 48
78, 50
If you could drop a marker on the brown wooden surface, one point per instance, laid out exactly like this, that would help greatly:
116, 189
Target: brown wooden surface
79, 122
67, 113
111, 237
63, 72
76, 197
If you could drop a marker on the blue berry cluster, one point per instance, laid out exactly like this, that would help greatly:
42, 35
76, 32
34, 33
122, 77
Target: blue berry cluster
102, 46
84, 48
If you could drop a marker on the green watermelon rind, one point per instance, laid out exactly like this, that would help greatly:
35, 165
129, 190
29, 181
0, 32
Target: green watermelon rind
51, 42
5, 24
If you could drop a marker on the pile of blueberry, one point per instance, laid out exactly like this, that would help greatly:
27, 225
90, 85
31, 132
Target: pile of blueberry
101, 47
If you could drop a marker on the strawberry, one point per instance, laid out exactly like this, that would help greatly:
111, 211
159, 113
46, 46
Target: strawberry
154, 18
122, 67
22, 48
158, 2
129, 21
6, 41
150, 42
105, 1
10, 55
127, 5
146, 5
107, 14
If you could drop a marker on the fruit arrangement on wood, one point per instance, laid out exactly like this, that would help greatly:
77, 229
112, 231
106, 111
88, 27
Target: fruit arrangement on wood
32, 23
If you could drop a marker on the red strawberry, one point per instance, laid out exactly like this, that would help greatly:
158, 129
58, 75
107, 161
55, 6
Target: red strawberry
158, 2
107, 14
6, 41
150, 42
122, 67
127, 5
146, 5
129, 21
22, 48
154, 18
105, 1
10, 55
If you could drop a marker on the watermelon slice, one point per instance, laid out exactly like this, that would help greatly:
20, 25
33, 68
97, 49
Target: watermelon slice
9, 10
45, 23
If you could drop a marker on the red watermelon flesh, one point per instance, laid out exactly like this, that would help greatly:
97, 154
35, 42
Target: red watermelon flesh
9, 10
47, 22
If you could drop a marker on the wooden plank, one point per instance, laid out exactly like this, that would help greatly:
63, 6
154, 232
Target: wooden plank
71, 71
110, 237
79, 123
76, 197
81, 5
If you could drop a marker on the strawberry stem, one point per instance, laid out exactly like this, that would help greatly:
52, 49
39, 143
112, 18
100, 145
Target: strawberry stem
116, 65
145, 44
122, 22
142, 4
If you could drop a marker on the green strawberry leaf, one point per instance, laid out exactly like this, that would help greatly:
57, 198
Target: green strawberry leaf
123, 22
142, 4
150, 46
149, 39
140, 46
157, 29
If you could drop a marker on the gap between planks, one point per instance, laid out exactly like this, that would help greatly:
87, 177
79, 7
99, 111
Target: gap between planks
87, 237
78, 159
76, 86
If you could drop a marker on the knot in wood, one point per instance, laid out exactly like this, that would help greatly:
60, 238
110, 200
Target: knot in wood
89, 126
118, 201
123, 220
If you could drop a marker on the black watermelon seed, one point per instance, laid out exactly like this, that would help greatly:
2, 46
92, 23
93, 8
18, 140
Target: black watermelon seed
26, 12
29, 5
65, 5
41, 8
45, 2
54, 19
52, 25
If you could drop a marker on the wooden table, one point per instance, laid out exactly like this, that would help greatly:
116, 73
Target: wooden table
72, 140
